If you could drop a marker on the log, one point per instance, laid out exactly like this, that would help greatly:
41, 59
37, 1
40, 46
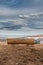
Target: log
20, 41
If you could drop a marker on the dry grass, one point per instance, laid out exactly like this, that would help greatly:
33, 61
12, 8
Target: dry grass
21, 55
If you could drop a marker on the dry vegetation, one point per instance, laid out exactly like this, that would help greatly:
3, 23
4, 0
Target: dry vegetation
21, 55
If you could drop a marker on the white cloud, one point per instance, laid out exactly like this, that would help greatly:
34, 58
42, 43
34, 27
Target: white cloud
32, 15
7, 13
18, 12
27, 19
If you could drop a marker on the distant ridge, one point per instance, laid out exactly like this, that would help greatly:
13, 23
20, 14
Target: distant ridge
35, 36
23, 37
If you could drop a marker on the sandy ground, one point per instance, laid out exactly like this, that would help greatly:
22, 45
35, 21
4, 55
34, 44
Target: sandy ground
21, 55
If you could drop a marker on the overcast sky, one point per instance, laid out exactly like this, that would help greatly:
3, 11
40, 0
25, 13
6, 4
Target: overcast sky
21, 17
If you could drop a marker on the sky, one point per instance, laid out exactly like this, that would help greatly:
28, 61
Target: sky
21, 17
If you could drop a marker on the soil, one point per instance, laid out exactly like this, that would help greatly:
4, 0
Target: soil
21, 55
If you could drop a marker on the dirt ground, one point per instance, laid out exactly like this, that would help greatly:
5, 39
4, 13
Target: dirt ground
21, 55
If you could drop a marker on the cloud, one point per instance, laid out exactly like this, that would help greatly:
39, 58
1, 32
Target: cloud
34, 20
9, 26
32, 15
20, 15
11, 19
8, 12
